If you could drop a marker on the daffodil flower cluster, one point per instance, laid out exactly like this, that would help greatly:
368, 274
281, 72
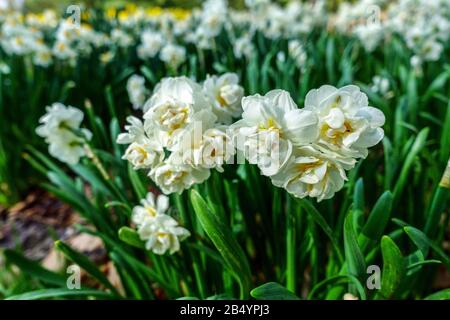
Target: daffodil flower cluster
187, 130
307, 151
60, 127
182, 135
161, 232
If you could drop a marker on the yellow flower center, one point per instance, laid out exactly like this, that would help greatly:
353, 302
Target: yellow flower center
151, 211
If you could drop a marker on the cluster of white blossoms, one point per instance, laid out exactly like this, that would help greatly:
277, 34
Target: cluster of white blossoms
60, 127
424, 24
160, 231
187, 130
307, 151
182, 135
137, 93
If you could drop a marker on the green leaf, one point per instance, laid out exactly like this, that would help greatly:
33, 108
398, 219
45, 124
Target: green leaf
421, 263
437, 84
61, 293
131, 237
358, 205
222, 237
377, 221
320, 220
437, 207
424, 243
393, 267
338, 280
272, 291
136, 182
419, 239
110, 101
353, 256
440, 295
34, 269
90, 177
84, 263
418, 145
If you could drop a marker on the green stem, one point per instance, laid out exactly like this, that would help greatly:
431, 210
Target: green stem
290, 247
290, 250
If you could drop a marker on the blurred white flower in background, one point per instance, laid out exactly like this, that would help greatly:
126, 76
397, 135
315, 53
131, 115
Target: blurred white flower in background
121, 38
42, 56
297, 52
416, 63
243, 47
137, 92
381, 86
12, 4
60, 127
370, 35
151, 44
173, 55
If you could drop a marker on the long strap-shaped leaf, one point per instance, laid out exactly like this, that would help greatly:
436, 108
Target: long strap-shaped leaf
393, 267
222, 237
60, 293
273, 291
86, 264
320, 220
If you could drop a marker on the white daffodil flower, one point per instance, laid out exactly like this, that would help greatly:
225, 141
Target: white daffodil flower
172, 176
243, 47
225, 94
150, 207
173, 55
151, 44
174, 104
347, 124
60, 127
210, 148
59, 121
144, 155
68, 149
121, 38
42, 56
313, 172
162, 234
135, 132
270, 125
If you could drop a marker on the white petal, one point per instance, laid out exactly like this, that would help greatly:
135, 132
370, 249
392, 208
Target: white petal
301, 126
